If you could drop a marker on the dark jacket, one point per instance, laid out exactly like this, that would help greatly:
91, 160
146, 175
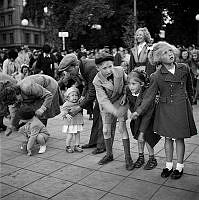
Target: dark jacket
143, 123
173, 116
88, 71
46, 64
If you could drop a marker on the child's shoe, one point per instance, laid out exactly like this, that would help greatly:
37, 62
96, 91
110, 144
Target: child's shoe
166, 172
69, 149
151, 164
176, 174
42, 149
140, 161
78, 148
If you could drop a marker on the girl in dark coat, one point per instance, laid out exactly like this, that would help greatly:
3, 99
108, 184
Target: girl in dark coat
173, 117
142, 127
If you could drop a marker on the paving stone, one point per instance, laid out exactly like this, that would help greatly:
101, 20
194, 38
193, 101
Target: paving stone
186, 182
72, 173
22, 195
194, 157
6, 189
66, 157
166, 193
9, 144
88, 162
7, 154
45, 166
79, 192
101, 180
136, 189
47, 186
7, 169
49, 152
23, 160
20, 178
191, 168
110, 196
116, 167
152, 176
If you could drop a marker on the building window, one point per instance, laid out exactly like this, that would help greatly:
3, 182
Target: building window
11, 38
9, 19
2, 22
27, 38
9, 3
4, 38
36, 38
1, 4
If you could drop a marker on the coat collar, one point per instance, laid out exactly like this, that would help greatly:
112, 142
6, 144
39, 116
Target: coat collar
177, 76
141, 55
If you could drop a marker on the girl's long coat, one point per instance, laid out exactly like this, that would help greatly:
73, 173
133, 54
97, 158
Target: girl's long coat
173, 116
142, 123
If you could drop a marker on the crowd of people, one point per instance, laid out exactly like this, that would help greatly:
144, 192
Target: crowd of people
157, 82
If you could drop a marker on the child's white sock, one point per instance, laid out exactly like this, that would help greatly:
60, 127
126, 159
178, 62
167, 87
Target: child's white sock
169, 165
179, 167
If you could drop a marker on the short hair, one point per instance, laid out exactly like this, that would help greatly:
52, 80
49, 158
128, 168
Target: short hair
12, 53
46, 48
156, 53
147, 35
26, 112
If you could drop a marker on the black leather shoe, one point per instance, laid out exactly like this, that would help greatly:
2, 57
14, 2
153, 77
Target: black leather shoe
87, 146
176, 174
106, 159
98, 151
166, 172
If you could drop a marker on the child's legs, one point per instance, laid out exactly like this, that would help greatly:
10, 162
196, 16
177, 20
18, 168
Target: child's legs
77, 138
168, 149
141, 143
180, 150
69, 138
150, 149
123, 129
41, 139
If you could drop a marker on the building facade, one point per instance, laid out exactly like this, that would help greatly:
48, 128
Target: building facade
12, 32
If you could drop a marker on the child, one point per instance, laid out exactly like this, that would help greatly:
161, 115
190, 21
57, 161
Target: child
142, 128
173, 117
34, 130
110, 83
74, 124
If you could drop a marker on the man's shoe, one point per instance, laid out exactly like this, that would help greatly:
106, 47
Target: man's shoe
166, 172
42, 149
8, 131
98, 151
106, 159
87, 146
176, 174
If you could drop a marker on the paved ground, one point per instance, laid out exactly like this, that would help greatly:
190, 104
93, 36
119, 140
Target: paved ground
59, 175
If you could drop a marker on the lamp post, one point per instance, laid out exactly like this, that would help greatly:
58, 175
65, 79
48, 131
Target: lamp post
197, 19
24, 22
135, 15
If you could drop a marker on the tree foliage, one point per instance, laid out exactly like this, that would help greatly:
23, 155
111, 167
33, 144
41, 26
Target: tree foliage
116, 19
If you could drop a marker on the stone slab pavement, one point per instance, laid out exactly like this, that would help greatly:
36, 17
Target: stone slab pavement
58, 175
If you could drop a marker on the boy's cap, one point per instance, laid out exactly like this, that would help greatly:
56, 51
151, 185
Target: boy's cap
67, 61
26, 113
101, 57
69, 90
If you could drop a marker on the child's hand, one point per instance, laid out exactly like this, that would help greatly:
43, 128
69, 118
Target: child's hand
81, 99
69, 117
29, 153
134, 115
123, 100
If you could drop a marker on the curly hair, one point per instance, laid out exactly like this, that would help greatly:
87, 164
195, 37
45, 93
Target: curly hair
138, 75
147, 35
9, 92
158, 48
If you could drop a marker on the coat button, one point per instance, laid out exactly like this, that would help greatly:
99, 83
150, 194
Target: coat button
171, 101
